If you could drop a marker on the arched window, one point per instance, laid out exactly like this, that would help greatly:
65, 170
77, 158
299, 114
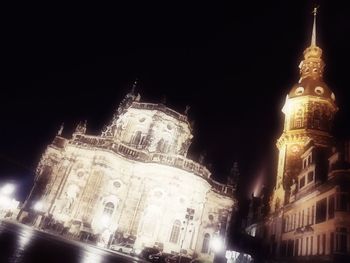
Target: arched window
175, 232
109, 209
206, 241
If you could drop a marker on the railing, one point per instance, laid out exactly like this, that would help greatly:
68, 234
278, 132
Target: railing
161, 107
144, 156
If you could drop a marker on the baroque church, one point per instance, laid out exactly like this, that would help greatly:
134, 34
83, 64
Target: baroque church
132, 183
308, 215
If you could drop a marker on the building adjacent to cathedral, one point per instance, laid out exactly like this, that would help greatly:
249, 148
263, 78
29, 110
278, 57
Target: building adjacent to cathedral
309, 211
132, 182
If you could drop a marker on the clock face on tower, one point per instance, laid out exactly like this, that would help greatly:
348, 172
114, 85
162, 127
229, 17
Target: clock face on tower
295, 148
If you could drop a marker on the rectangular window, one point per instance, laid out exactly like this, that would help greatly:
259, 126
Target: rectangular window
294, 221
310, 177
299, 219
308, 217
342, 202
302, 182
321, 210
331, 201
311, 245
318, 244
302, 218
331, 243
301, 246
296, 248
307, 246
290, 248
313, 215
323, 244
341, 240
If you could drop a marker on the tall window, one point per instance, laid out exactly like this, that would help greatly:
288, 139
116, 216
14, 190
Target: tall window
175, 232
206, 241
298, 119
321, 210
109, 209
331, 201
317, 119
341, 240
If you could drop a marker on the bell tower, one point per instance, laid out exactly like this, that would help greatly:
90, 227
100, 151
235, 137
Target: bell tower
309, 110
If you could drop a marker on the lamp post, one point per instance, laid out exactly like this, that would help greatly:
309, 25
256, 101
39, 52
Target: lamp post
188, 217
5, 198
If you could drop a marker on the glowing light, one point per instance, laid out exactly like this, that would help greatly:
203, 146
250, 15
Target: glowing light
105, 220
7, 189
38, 206
217, 244
5, 202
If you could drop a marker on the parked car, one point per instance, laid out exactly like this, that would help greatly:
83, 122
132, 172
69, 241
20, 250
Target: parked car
124, 248
147, 252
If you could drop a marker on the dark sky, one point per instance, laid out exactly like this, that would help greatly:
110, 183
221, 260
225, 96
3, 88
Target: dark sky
232, 64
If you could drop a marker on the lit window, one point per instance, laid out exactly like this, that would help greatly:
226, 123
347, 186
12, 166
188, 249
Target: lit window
299, 91
319, 90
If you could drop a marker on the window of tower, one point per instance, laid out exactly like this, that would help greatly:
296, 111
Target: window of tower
299, 91
317, 119
298, 119
333, 96
319, 90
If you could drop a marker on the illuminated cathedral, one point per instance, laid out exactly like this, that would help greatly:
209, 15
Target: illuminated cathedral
132, 183
309, 212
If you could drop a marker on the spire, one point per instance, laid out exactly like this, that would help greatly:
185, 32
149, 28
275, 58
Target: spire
313, 37
312, 65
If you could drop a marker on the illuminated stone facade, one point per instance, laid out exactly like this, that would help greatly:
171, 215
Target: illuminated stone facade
133, 182
309, 213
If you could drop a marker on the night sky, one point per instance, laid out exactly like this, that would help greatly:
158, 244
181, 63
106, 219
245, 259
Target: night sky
232, 64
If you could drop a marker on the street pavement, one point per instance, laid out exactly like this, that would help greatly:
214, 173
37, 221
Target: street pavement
21, 243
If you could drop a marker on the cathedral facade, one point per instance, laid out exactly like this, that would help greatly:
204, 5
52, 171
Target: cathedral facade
133, 183
309, 210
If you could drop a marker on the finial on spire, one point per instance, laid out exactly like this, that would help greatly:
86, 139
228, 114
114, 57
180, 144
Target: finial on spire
313, 37
59, 133
134, 85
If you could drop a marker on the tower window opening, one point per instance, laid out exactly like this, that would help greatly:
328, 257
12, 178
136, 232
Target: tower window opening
298, 121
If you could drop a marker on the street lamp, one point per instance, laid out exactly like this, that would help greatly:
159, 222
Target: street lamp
188, 217
217, 244
6, 202
7, 189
